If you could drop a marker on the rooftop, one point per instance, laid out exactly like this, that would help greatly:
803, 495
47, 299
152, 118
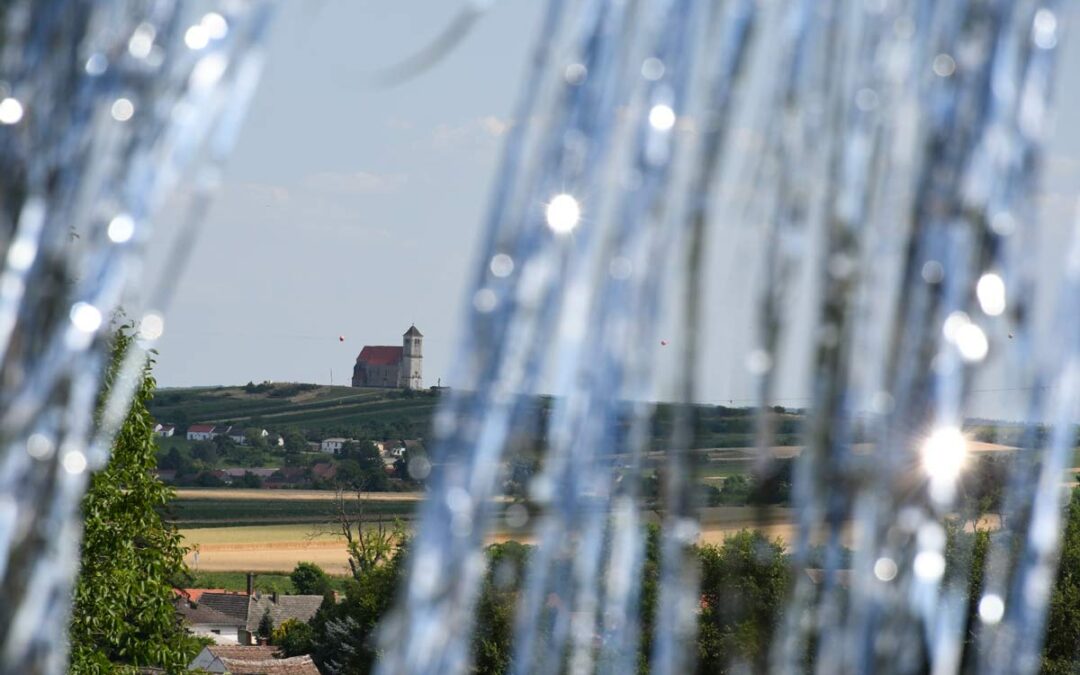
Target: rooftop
379, 356
296, 665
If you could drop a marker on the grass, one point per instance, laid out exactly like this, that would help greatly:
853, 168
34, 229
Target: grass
219, 513
265, 582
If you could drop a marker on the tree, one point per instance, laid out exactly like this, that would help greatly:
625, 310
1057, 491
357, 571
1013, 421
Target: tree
294, 637
362, 467
295, 442
1063, 620
205, 452
253, 436
495, 609
176, 459
310, 579
123, 611
250, 480
344, 632
266, 625
744, 584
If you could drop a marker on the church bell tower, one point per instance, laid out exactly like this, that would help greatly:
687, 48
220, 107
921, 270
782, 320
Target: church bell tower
412, 359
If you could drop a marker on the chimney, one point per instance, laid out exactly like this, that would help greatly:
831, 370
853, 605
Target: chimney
273, 597
251, 583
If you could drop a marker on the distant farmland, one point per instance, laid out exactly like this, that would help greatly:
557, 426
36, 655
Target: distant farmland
194, 508
389, 413
316, 408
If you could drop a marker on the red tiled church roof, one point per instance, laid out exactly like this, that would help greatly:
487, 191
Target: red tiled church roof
379, 356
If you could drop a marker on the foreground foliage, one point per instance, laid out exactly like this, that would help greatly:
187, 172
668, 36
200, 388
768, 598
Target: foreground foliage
124, 617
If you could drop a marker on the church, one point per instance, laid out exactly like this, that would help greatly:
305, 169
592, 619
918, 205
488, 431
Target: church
392, 367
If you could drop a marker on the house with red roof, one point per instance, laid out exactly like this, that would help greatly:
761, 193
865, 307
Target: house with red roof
200, 432
392, 367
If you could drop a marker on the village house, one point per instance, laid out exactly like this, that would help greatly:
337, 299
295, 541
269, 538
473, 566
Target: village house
164, 430
245, 660
200, 432
392, 367
214, 613
334, 445
231, 618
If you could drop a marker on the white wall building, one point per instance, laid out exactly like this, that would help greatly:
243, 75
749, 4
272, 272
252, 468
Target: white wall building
333, 445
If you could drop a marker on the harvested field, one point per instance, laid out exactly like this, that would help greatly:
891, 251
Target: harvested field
268, 548
271, 548
265, 548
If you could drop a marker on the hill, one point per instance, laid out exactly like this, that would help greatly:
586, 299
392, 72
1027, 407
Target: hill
320, 411
317, 409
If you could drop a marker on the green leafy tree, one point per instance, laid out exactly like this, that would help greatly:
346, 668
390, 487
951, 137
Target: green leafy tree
266, 625
253, 437
744, 584
205, 452
123, 616
295, 442
177, 459
1060, 653
363, 467
250, 480
294, 637
310, 579
344, 632
493, 635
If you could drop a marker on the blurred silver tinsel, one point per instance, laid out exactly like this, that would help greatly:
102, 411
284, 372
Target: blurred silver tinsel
906, 132
106, 110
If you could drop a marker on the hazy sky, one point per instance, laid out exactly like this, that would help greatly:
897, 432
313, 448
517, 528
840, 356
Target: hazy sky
353, 210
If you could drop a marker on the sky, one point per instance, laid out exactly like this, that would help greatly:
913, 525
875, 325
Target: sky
353, 210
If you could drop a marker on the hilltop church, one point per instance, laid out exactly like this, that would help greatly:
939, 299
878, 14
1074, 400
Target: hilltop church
391, 367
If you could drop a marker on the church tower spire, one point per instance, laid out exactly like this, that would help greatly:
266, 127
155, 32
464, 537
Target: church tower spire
412, 359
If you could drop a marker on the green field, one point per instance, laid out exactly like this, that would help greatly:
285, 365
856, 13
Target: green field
199, 513
390, 413
265, 582
285, 406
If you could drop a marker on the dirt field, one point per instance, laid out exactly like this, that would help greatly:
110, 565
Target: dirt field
273, 548
277, 548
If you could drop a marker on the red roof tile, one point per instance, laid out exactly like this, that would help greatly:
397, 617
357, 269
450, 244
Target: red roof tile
379, 356
200, 428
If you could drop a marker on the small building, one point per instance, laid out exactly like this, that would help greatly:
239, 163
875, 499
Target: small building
237, 435
164, 430
334, 445
216, 614
232, 618
200, 432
